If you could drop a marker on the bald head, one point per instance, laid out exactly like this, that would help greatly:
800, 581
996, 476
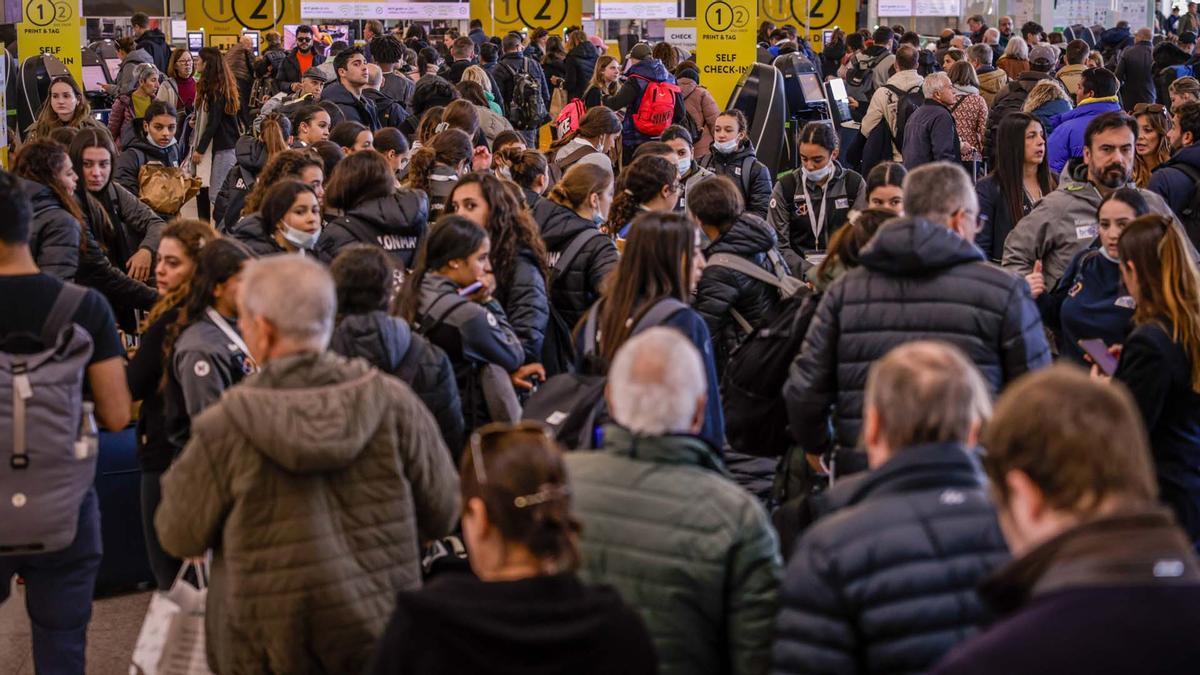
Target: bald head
374, 76
656, 384
1143, 35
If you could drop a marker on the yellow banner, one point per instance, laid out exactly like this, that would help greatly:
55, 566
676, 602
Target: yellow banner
53, 27
499, 17
812, 17
726, 32
223, 21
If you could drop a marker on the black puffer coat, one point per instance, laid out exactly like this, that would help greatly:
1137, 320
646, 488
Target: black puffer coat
887, 583
578, 288
396, 223
580, 63
918, 281
391, 346
756, 188
251, 232
54, 240
526, 305
721, 289
251, 156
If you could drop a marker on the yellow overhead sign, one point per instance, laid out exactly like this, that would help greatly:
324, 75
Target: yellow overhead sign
726, 34
499, 17
224, 20
53, 27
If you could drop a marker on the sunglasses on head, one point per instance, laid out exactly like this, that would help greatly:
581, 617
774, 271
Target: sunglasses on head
534, 430
1152, 108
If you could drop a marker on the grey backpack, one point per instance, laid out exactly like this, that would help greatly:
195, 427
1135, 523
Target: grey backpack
48, 434
781, 279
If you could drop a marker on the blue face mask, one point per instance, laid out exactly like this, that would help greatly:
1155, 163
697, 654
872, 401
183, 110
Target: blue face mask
598, 219
685, 165
725, 147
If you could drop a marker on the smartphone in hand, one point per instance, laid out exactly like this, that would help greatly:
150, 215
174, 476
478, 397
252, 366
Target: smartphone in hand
469, 290
1096, 349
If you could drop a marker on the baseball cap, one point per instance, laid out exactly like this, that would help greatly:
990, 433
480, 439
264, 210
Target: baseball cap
640, 51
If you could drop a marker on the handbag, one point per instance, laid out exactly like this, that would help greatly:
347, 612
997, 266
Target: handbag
166, 188
171, 641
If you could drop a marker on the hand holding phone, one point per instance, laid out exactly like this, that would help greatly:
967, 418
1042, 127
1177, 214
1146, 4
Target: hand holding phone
1100, 354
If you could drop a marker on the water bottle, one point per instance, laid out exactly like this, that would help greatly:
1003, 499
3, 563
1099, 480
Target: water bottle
88, 443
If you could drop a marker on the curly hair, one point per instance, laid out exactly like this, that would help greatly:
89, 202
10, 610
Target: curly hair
510, 226
287, 164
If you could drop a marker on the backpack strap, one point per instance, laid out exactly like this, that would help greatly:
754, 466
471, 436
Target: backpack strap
957, 103
740, 264
571, 159
69, 299
572, 251
662, 310
441, 318
747, 170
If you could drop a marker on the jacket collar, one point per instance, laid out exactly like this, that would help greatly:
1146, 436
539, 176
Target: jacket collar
920, 467
1137, 546
682, 449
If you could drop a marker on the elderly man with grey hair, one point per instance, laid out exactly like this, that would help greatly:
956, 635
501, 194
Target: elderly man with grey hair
930, 133
313, 483
663, 523
921, 277
388, 109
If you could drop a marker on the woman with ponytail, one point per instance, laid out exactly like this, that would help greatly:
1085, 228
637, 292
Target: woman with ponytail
650, 183
253, 153
178, 250
436, 167
527, 168
1160, 361
598, 131
518, 524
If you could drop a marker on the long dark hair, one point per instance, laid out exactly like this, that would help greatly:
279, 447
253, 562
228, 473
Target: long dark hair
192, 235
216, 83
1010, 162
510, 227
451, 238
279, 200
217, 262
97, 207
595, 123
656, 264
451, 147
638, 184
47, 119
361, 176
40, 160
847, 243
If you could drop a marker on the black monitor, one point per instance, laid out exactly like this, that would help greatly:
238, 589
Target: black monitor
839, 101
811, 88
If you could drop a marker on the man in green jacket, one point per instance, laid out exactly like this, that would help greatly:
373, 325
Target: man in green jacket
694, 553
314, 482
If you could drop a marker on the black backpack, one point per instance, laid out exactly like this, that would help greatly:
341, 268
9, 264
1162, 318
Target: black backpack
906, 104
526, 107
1190, 215
558, 348
572, 404
752, 386
860, 80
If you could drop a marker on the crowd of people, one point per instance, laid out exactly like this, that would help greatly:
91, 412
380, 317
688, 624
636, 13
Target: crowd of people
435, 397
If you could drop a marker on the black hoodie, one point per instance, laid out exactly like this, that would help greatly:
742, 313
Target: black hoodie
140, 151
155, 44
251, 156
751, 176
580, 63
578, 287
535, 626
396, 223
251, 232
391, 346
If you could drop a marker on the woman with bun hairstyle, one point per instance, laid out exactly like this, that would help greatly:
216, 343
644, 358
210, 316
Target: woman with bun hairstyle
373, 210
253, 152
436, 168
598, 132
128, 109
311, 125
178, 250
650, 183
570, 213
524, 552
527, 168
352, 137
302, 165
66, 107
448, 298
518, 259
392, 144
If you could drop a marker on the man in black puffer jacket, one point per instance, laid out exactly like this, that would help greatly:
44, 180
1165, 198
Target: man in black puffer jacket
725, 297
887, 583
578, 286
921, 278
394, 222
364, 277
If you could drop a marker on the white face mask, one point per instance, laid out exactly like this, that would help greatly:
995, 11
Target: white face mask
684, 165
818, 175
726, 147
300, 238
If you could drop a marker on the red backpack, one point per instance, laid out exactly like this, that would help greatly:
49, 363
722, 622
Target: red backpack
568, 120
656, 109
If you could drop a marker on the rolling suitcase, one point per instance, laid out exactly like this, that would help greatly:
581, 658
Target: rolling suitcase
119, 488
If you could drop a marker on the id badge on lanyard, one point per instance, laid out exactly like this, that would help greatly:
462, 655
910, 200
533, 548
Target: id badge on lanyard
234, 339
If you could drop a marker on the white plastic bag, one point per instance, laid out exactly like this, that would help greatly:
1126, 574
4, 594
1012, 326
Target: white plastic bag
171, 641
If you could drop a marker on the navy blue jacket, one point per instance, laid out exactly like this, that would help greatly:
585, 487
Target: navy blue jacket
356, 109
930, 135
1088, 302
995, 221
1175, 187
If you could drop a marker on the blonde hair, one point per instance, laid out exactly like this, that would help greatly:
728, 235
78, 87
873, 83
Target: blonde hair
478, 76
598, 82
1044, 92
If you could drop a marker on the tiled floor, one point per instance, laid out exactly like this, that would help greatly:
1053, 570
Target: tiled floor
114, 629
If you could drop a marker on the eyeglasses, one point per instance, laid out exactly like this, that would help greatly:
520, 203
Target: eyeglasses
534, 430
1152, 108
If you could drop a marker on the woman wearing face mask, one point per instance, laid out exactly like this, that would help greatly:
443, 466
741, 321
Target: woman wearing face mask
128, 230
518, 526
733, 155
448, 298
1090, 300
650, 183
1153, 146
65, 107
606, 81
253, 152
205, 354
372, 210
311, 125
1160, 361
518, 258
352, 137
178, 251
812, 204
293, 213
129, 108
651, 286
156, 144
1018, 182
302, 165
590, 143
569, 219
690, 171
435, 168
